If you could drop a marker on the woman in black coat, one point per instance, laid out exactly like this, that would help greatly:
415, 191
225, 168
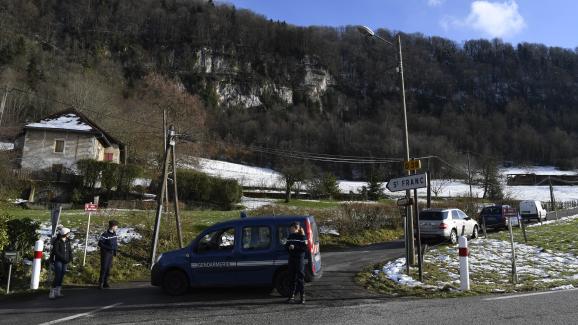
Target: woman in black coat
60, 256
296, 246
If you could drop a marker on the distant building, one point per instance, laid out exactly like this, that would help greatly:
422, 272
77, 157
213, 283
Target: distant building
60, 140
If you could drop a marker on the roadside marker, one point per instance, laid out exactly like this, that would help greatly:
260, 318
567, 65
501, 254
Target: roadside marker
36, 264
464, 264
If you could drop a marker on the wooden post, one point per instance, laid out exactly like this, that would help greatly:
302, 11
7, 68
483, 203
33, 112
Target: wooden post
524, 230
166, 144
552, 200
172, 143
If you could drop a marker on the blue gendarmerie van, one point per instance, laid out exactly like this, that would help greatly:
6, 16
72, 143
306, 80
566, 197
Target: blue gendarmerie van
243, 252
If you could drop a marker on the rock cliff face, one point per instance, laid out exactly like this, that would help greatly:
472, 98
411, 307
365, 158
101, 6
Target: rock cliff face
232, 90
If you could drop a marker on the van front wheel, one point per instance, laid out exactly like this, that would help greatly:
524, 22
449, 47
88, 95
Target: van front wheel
282, 283
175, 283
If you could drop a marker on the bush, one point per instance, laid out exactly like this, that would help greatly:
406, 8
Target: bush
4, 240
22, 235
200, 188
323, 187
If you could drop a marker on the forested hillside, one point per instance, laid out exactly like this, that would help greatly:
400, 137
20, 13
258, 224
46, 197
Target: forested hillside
231, 76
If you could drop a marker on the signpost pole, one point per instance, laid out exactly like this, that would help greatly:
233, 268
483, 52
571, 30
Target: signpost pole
9, 275
514, 271
86, 240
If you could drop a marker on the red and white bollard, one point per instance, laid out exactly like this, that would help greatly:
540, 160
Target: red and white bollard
36, 264
464, 264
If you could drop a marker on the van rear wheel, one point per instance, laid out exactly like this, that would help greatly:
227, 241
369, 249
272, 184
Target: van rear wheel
175, 283
282, 283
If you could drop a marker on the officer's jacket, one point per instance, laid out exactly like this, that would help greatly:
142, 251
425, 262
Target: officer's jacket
299, 243
107, 241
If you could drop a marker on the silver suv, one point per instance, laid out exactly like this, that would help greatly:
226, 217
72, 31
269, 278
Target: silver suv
447, 224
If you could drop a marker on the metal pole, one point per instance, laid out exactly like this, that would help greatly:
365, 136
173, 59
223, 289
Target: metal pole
86, 239
175, 191
9, 276
159, 212
410, 234
419, 254
514, 271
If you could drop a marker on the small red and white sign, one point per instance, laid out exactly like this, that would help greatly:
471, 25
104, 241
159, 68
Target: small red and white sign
510, 212
90, 207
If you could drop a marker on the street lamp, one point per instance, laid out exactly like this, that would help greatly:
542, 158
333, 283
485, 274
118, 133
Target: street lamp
409, 229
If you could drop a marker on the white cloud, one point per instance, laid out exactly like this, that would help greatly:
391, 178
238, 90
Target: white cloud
494, 19
435, 3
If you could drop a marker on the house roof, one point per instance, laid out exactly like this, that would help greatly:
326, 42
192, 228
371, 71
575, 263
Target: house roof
72, 120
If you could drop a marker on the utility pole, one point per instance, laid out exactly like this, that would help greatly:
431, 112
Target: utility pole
428, 185
175, 191
3, 103
552, 200
411, 246
470, 176
166, 202
169, 153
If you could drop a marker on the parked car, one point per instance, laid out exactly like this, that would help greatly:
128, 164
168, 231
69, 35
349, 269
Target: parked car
493, 217
447, 224
532, 210
241, 252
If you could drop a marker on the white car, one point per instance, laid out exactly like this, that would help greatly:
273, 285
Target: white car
532, 210
447, 224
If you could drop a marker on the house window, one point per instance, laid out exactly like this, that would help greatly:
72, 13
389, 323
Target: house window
59, 146
108, 156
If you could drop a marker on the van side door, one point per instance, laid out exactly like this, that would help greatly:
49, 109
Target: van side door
256, 255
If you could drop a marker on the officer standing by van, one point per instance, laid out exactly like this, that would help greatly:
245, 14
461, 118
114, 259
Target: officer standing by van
296, 245
108, 246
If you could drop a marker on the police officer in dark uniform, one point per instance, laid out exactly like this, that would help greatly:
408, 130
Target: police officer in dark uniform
108, 246
296, 245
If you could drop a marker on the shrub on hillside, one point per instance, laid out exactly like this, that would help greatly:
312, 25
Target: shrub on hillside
196, 187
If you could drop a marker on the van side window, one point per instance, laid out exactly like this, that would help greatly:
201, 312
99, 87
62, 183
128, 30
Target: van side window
282, 234
218, 240
256, 237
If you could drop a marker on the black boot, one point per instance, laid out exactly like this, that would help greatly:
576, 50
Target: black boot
302, 300
291, 299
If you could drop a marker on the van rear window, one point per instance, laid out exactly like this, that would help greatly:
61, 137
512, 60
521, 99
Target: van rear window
433, 215
492, 210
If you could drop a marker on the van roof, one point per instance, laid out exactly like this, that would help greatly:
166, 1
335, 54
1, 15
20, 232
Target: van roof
262, 219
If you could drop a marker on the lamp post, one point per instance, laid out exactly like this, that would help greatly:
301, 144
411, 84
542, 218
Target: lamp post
409, 229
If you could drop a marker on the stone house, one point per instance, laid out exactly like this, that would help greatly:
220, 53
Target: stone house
60, 140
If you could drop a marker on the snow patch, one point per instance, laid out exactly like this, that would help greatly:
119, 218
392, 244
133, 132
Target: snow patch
5, 146
256, 203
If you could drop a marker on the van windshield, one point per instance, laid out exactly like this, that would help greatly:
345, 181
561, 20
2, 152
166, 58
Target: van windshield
433, 215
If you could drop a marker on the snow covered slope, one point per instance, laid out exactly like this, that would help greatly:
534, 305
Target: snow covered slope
263, 177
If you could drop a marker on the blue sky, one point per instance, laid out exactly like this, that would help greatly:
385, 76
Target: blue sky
551, 22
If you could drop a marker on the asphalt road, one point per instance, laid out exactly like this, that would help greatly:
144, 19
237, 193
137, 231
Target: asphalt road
335, 299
